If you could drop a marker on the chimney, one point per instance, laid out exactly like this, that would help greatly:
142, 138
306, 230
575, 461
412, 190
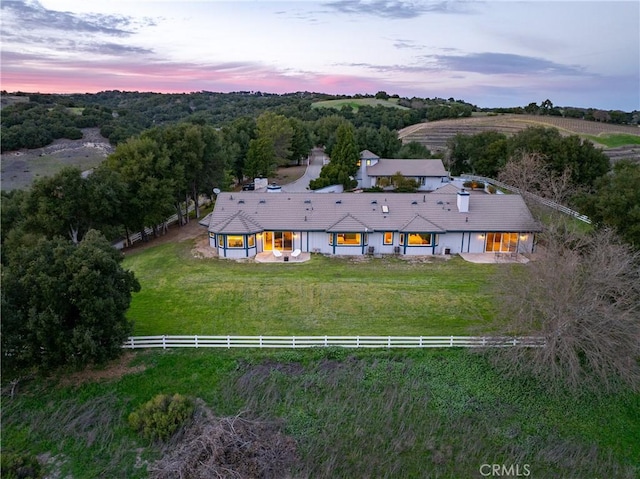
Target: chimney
463, 201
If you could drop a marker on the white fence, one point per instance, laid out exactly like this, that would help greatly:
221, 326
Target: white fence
228, 342
539, 199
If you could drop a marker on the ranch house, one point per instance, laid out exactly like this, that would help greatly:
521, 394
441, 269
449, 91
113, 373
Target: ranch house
376, 171
246, 224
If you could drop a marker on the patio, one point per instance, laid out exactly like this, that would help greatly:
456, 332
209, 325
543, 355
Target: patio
494, 258
268, 257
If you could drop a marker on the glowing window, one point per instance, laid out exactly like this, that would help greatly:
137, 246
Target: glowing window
251, 240
388, 237
349, 239
235, 241
419, 239
221, 241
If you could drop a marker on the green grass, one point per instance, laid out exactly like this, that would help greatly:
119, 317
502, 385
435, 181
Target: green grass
353, 414
356, 103
615, 140
334, 296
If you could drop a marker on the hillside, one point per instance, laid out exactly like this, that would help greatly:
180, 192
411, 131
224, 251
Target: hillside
356, 103
434, 135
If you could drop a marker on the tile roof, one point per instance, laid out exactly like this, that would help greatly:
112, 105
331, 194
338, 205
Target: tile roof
250, 212
389, 167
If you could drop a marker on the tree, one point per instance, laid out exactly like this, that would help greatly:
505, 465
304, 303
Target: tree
64, 303
529, 172
277, 130
344, 161
67, 204
616, 201
261, 158
145, 167
413, 150
582, 295
301, 142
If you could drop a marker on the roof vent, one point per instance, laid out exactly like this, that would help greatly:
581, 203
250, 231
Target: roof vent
439, 202
241, 202
339, 202
385, 208
307, 201
414, 202
263, 201
374, 202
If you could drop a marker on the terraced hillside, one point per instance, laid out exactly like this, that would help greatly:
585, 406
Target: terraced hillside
434, 135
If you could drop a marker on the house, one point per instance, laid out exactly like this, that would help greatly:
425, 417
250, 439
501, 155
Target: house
376, 171
245, 224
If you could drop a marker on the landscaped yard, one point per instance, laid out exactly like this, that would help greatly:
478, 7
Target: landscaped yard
325, 296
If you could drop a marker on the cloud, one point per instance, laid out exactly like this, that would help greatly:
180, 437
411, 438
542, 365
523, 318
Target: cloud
489, 63
32, 16
397, 9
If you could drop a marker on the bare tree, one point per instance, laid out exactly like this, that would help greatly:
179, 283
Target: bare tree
530, 173
582, 295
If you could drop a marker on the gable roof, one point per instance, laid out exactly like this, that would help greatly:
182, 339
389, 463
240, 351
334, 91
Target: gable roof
389, 167
420, 223
348, 223
368, 155
428, 212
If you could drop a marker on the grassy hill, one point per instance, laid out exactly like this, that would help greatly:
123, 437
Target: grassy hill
356, 103
434, 135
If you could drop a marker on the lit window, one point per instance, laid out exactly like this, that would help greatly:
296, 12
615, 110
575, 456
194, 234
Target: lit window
221, 241
388, 237
419, 239
349, 239
212, 236
235, 241
251, 240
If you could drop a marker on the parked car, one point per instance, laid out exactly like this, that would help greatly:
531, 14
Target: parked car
249, 187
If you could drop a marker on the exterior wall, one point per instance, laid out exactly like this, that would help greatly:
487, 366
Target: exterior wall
318, 242
433, 183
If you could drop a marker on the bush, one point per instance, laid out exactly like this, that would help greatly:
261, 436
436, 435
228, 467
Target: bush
162, 416
491, 189
20, 466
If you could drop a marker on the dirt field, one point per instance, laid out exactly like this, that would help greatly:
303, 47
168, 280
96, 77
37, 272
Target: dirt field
20, 168
434, 135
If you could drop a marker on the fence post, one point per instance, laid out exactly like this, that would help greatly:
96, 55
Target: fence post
515, 342
196, 340
228, 342
164, 342
357, 341
484, 341
326, 341
293, 341
451, 342
132, 343
421, 341
389, 341
261, 340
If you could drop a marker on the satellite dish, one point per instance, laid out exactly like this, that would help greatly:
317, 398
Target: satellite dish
216, 191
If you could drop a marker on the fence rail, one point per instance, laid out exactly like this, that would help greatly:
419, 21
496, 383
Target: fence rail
539, 199
165, 342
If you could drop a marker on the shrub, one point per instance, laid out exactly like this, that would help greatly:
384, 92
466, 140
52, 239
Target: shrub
20, 466
491, 189
162, 416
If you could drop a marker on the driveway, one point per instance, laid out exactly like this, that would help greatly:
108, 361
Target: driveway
312, 172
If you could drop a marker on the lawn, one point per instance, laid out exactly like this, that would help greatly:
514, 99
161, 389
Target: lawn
333, 296
615, 140
351, 413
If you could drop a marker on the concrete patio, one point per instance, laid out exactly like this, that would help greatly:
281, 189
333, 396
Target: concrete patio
494, 258
268, 257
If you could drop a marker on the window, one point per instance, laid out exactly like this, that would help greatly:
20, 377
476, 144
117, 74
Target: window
349, 239
221, 241
419, 239
331, 239
501, 242
235, 241
402, 238
251, 240
388, 237
212, 236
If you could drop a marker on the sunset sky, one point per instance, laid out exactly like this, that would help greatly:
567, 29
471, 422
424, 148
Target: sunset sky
492, 53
